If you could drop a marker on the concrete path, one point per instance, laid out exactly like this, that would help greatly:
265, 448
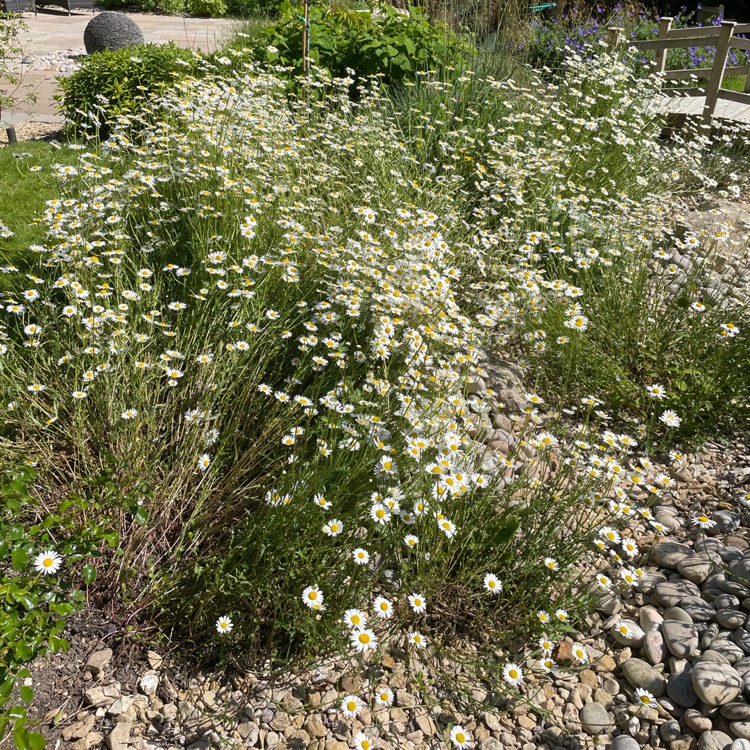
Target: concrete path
53, 29
54, 39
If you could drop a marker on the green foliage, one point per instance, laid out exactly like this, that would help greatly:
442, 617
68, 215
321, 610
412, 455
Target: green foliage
12, 89
388, 42
208, 8
111, 83
33, 606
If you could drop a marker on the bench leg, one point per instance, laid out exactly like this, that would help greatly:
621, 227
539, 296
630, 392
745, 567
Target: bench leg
11, 135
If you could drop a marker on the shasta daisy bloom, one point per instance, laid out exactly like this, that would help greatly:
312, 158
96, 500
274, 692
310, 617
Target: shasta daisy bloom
551, 563
351, 706
644, 697
447, 527
624, 630
492, 583
703, 522
380, 514
204, 462
630, 547
656, 391
129, 414
224, 625
460, 737
547, 664
580, 654
603, 581
418, 603
383, 608
513, 674
542, 616
411, 541
360, 556
355, 618
312, 596
610, 534
48, 562
417, 639
384, 696
546, 645
670, 418
363, 742
561, 615
362, 639
333, 528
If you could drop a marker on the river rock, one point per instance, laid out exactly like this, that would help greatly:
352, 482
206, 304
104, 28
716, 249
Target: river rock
715, 684
654, 648
697, 568
696, 722
741, 729
623, 742
650, 618
740, 744
669, 554
680, 689
728, 649
735, 711
681, 637
742, 639
671, 593
641, 674
698, 609
714, 740
595, 719
730, 618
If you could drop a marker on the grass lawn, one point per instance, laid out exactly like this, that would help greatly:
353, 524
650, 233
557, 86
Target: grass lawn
25, 191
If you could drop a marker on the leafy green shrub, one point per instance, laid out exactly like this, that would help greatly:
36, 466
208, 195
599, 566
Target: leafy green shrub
111, 83
253, 8
209, 8
388, 42
36, 597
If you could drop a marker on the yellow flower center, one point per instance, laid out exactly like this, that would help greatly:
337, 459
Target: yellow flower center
460, 737
313, 595
513, 674
351, 705
364, 638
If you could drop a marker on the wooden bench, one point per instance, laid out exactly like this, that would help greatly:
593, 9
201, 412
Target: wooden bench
68, 4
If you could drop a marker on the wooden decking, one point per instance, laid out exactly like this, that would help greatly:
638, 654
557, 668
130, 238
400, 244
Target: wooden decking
694, 106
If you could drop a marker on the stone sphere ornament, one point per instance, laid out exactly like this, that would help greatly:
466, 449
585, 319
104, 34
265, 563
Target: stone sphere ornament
111, 30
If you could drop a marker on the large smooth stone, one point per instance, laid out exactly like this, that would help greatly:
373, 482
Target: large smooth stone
741, 729
698, 609
742, 639
714, 741
642, 675
740, 570
669, 554
696, 722
650, 618
111, 30
681, 637
671, 593
715, 684
697, 568
730, 618
728, 649
735, 711
595, 719
654, 648
740, 744
680, 689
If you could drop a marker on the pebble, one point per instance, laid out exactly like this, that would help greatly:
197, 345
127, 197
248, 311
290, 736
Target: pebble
740, 744
623, 742
714, 683
670, 730
698, 567
730, 618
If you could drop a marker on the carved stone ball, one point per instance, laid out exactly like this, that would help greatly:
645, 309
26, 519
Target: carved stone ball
111, 30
